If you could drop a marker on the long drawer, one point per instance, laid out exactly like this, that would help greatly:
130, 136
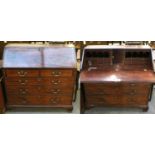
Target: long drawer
117, 88
36, 73
107, 100
39, 100
30, 90
39, 81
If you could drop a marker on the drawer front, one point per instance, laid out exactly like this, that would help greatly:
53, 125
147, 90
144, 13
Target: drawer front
107, 88
123, 100
58, 90
57, 100
69, 82
24, 100
34, 90
119, 88
22, 81
135, 99
22, 73
40, 81
39, 100
56, 73
24, 90
136, 85
102, 100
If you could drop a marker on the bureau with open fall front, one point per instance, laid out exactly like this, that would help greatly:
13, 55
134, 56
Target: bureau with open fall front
117, 76
39, 76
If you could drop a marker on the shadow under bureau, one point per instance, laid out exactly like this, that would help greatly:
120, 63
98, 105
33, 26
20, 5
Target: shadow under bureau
117, 76
39, 76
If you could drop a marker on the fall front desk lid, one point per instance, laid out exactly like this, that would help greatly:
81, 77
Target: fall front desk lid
39, 57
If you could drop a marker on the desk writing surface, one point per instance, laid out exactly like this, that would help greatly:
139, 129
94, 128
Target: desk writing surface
117, 76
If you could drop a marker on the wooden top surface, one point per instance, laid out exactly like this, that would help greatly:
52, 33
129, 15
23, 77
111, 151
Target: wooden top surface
116, 76
39, 57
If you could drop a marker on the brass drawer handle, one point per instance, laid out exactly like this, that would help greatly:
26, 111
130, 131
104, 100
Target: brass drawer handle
132, 84
55, 91
56, 73
54, 101
56, 82
39, 88
22, 73
39, 80
23, 81
24, 101
23, 92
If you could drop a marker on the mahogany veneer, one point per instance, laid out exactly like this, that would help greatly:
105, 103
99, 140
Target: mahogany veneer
39, 76
117, 76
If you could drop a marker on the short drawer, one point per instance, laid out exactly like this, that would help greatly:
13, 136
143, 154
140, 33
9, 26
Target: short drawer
23, 100
25, 90
22, 81
21, 73
56, 73
135, 99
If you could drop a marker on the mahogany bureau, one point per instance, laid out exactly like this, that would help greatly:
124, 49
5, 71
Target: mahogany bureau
39, 76
2, 106
2, 101
117, 76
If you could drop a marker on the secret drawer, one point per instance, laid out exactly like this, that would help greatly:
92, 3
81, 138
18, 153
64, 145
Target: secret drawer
21, 73
56, 73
